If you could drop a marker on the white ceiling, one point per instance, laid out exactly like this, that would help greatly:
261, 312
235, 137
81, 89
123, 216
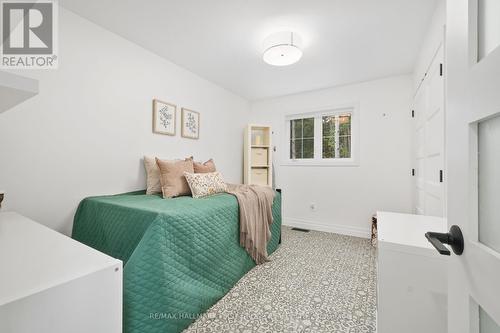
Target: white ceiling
345, 41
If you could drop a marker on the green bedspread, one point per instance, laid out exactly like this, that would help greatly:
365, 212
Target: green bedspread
180, 255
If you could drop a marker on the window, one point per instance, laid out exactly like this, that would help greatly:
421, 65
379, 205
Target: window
336, 136
324, 137
302, 138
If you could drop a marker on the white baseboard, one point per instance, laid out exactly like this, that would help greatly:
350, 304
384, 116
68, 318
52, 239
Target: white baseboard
334, 228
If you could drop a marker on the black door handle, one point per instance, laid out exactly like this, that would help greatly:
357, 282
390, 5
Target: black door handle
454, 238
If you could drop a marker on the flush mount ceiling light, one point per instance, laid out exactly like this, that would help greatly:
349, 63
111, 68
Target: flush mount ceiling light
282, 48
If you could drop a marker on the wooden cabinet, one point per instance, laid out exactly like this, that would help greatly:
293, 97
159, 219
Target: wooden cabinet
258, 155
52, 283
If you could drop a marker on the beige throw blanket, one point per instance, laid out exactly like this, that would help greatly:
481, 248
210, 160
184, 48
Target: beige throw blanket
256, 216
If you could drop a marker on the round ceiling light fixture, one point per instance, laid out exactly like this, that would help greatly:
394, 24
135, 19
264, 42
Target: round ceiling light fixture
282, 48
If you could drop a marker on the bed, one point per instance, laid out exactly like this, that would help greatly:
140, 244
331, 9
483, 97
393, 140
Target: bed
180, 255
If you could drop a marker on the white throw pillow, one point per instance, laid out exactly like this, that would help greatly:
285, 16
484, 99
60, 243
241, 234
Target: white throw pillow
205, 184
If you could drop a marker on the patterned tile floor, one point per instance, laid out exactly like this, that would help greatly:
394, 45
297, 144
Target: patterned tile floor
315, 282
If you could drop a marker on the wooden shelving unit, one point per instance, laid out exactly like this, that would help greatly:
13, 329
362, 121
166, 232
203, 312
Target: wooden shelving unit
258, 155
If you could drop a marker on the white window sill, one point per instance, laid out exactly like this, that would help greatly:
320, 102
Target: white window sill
349, 162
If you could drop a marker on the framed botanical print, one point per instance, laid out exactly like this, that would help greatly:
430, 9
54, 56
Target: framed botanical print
164, 117
190, 127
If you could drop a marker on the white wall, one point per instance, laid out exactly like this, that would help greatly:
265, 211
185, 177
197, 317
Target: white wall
346, 197
433, 38
87, 130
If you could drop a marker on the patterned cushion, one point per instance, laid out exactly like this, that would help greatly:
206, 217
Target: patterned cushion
208, 166
173, 182
205, 184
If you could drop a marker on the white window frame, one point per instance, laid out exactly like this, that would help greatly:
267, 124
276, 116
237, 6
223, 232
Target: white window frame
318, 115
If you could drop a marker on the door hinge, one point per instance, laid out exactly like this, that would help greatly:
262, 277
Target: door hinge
440, 176
440, 69
413, 172
413, 113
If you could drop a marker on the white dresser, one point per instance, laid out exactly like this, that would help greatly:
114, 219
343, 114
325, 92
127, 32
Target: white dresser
50, 283
411, 275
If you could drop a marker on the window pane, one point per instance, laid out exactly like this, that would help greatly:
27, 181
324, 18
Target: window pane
296, 149
308, 145
302, 138
329, 147
309, 128
488, 29
296, 128
345, 147
328, 126
486, 323
489, 182
345, 125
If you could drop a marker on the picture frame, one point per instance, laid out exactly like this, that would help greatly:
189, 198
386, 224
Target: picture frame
164, 117
190, 124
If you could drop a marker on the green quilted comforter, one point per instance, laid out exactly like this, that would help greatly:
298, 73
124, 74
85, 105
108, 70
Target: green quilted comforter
180, 255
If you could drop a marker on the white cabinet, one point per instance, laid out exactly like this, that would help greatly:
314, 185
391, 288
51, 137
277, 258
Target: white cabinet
50, 283
411, 275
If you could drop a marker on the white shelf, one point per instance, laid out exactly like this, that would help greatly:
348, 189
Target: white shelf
258, 155
15, 89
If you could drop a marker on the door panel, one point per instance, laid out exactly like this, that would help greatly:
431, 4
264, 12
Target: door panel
435, 134
429, 140
488, 26
420, 201
434, 206
420, 143
472, 99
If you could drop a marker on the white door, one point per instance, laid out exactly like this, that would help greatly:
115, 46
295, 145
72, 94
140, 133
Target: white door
420, 106
429, 139
473, 162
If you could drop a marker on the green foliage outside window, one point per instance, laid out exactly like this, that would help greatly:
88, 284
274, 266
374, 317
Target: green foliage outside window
335, 134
